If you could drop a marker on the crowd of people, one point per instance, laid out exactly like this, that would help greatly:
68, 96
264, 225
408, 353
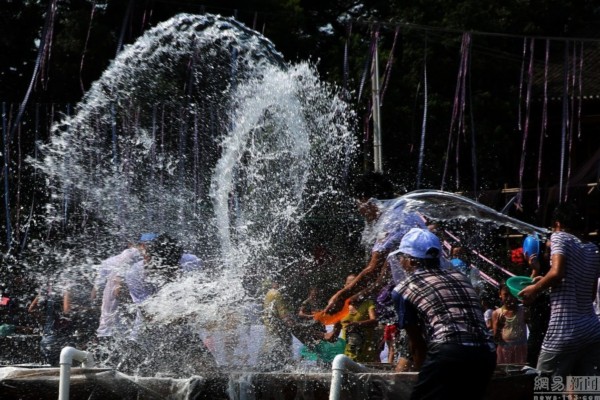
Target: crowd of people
103, 314
448, 325
418, 297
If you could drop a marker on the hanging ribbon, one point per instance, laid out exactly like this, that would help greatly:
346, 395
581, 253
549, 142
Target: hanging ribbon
41, 59
521, 79
424, 122
126, 18
367, 68
345, 66
518, 202
146, 17
565, 113
87, 38
463, 93
458, 107
473, 141
544, 121
576, 87
388, 67
45, 65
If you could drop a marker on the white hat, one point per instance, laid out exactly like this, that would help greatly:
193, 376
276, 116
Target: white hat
418, 243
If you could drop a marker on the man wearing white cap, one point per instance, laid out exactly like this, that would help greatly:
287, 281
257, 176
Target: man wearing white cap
442, 315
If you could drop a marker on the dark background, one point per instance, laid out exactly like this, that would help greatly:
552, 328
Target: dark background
486, 155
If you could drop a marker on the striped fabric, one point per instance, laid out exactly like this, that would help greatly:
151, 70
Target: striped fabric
573, 322
448, 305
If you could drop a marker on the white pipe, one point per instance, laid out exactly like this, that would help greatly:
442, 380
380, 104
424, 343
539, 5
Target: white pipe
341, 364
67, 355
376, 109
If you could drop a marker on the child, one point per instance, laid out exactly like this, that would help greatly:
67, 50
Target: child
510, 329
488, 311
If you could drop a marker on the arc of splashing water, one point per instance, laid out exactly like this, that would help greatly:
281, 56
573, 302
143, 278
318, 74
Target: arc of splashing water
35, 172
424, 201
439, 197
223, 179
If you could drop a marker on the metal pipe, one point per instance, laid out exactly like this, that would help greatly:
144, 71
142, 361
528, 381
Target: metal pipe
339, 366
67, 355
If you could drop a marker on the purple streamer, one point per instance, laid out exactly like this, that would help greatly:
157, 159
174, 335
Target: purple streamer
459, 101
48, 48
388, 67
424, 123
87, 39
463, 101
45, 43
374, 38
123, 26
572, 116
526, 128
565, 113
544, 121
521, 83
346, 67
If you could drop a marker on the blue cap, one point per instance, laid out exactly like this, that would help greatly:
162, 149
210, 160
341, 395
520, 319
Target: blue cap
148, 237
531, 246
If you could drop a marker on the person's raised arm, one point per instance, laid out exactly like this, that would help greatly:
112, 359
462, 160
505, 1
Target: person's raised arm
67, 301
367, 277
34, 303
552, 278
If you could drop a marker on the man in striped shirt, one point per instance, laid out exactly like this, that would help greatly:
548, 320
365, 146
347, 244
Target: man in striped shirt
572, 342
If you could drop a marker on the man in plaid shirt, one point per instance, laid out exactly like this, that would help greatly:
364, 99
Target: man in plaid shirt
443, 318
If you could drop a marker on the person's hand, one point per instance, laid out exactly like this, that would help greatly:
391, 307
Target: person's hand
532, 259
335, 305
529, 293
